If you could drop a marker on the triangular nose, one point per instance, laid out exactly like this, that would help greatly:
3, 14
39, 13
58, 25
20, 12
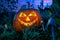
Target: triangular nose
27, 19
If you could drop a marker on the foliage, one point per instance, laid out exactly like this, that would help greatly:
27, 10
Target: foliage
7, 17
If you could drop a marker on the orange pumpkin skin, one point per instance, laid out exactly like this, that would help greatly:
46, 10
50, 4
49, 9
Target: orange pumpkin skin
25, 19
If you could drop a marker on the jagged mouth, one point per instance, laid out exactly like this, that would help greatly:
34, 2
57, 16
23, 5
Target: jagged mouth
28, 23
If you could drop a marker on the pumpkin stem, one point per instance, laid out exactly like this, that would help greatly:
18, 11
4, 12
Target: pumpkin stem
28, 4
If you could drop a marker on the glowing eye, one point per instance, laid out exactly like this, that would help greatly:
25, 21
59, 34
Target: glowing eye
22, 14
32, 14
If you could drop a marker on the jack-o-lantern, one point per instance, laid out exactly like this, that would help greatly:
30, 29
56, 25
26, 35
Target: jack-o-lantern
26, 18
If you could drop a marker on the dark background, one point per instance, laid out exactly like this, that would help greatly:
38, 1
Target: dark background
7, 17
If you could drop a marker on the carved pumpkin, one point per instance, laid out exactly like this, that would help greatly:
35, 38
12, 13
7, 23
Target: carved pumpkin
26, 18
